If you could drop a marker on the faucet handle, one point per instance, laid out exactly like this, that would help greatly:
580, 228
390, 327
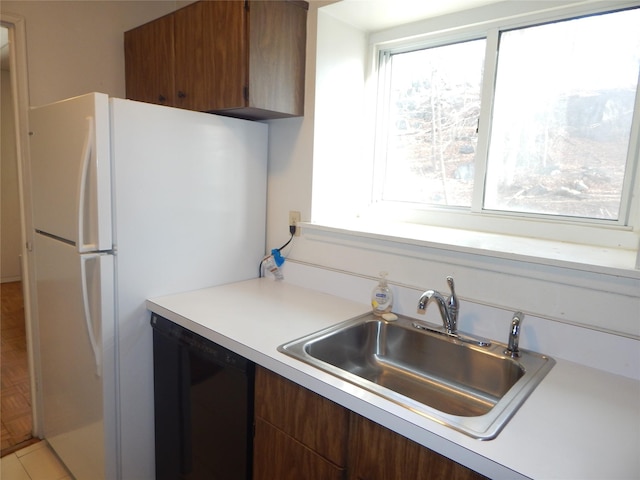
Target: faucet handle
452, 306
514, 335
452, 302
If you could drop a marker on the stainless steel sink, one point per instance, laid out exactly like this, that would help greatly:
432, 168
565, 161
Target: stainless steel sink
473, 389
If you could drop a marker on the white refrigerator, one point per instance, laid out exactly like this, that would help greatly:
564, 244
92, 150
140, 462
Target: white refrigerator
130, 201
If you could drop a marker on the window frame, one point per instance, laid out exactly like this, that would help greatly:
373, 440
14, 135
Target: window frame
620, 233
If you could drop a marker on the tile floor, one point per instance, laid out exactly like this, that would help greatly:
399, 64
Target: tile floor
35, 462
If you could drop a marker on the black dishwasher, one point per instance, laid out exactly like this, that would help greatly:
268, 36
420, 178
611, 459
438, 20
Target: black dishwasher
203, 406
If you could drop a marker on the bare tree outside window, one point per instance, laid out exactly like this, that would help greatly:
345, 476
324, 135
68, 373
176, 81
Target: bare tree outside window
432, 128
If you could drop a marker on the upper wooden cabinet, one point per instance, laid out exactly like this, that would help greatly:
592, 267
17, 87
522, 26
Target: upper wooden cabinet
149, 49
239, 58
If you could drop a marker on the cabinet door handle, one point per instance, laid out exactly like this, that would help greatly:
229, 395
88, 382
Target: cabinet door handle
181, 94
162, 98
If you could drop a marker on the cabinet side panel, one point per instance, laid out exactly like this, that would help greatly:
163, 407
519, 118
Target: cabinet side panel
277, 56
311, 419
150, 62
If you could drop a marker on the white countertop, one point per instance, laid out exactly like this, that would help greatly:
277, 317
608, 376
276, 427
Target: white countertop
579, 423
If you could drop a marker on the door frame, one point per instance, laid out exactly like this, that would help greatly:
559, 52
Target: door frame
20, 93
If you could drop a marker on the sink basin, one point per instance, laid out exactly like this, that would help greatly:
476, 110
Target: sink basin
473, 389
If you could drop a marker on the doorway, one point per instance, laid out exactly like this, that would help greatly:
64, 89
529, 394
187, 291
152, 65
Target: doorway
19, 421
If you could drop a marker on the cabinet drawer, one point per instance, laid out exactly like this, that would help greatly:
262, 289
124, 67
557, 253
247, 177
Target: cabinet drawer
316, 422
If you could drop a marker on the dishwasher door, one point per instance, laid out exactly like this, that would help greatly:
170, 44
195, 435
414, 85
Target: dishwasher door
203, 407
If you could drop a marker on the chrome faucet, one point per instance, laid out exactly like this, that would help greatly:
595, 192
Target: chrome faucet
514, 335
448, 307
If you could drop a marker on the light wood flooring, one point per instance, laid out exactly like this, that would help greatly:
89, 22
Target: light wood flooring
15, 406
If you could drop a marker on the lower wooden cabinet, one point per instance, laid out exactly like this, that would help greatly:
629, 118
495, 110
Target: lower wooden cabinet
300, 435
377, 453
318, 423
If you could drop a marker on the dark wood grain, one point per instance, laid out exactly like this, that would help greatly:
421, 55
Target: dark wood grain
279, 456
277, 56
221, 57
313, 420
150, 62
377, 453
211, 51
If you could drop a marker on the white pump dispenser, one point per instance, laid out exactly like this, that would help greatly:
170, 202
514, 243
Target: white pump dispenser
381, 296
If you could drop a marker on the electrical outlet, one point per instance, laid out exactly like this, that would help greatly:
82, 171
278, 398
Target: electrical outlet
294, 219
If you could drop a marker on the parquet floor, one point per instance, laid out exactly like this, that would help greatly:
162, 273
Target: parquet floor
15, 406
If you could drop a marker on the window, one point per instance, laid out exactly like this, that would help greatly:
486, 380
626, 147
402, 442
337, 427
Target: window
433, 111
543, 129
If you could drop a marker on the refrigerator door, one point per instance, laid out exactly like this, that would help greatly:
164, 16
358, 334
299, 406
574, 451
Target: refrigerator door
76, 330
71, 171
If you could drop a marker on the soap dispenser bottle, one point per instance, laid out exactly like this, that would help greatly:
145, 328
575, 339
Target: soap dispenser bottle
381, 296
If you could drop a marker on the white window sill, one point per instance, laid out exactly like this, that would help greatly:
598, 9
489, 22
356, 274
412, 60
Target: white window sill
607, 261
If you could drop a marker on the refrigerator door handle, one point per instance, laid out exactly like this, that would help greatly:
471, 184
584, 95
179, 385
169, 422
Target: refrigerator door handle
87, 312
88, 151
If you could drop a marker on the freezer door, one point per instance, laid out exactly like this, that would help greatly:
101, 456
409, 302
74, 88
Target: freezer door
71, 171
77, 355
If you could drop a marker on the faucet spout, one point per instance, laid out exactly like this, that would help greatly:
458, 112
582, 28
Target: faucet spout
448, 314
449, 308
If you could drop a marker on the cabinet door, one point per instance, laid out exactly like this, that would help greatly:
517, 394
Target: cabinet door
149, 62
311, 419
211, 55
377, 453
278, 456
